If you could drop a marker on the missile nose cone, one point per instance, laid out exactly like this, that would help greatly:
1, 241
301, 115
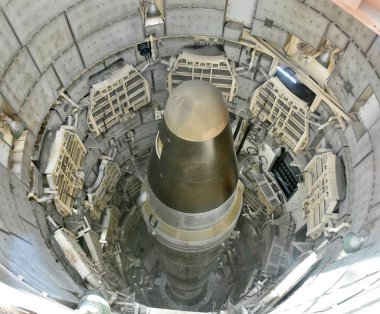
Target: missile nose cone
192, 197
194, 167
196, 111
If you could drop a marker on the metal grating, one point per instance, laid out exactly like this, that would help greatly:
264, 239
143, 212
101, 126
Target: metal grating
273, 262
63, 173
214, 69
285, 113
286, 175
267, 190
132, 189
324, 189
101, 193
116, 98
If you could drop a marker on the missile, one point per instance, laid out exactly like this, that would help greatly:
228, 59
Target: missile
192, 193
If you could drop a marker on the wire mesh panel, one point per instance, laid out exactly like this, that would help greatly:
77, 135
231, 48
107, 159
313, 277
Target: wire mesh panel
101, 193
63, 173
285, 113
116, 98
214, 69
324, 188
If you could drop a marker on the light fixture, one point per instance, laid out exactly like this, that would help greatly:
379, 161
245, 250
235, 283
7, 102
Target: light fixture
277, 151
352, 242
153, 11
144, 49
77, 202
286, 73
324, 59
16, 127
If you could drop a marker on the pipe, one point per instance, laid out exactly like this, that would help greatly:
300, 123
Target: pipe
165, 62
329, 230
93, 302
62, 93
41, 200
152, 47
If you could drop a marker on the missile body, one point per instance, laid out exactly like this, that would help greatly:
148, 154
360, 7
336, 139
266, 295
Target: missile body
193, 196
